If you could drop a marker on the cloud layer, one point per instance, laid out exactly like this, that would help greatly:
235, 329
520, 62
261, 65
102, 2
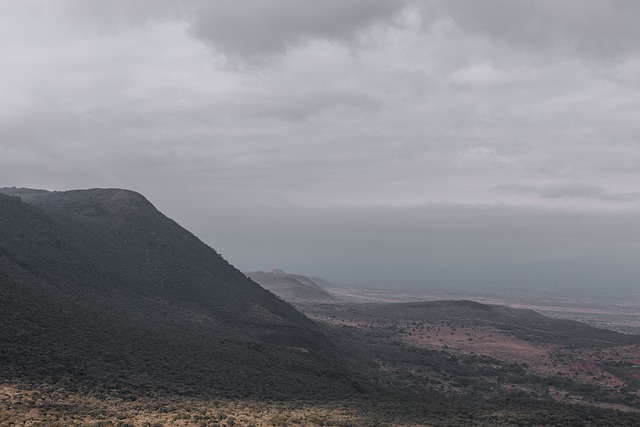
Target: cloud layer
258, 29
228, 107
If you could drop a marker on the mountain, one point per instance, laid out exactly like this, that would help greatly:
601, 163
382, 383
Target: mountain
99, 288
294, 288
111, 314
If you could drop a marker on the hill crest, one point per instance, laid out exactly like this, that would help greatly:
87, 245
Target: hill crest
294, 288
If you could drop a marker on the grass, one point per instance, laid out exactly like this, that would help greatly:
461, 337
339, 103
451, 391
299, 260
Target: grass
51, 406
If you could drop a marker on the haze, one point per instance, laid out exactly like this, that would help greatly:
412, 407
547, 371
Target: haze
371, 142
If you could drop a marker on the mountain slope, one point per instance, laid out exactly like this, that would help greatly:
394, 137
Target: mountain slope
98, 285
295, 288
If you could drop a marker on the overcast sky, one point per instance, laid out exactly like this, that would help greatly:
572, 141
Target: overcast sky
367, 141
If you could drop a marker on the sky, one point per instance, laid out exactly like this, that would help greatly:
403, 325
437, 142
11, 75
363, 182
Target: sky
372, 142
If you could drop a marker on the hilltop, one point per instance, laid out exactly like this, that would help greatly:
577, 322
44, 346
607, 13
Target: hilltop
294, 288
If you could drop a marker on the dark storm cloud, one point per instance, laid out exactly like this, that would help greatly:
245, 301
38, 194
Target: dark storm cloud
258, 29
255, 28
249, 29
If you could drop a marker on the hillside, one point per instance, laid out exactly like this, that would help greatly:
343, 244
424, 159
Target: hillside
99, 288
294, 288
465, 347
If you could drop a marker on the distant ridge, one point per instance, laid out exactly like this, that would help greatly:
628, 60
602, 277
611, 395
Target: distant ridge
98, 287
294, 288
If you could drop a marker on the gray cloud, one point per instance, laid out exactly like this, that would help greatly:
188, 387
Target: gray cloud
117, 15
593, 28
327, 156
569, 190
478, 158
257, 29
305, 105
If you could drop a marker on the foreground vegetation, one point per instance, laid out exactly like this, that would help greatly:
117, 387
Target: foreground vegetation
47, 405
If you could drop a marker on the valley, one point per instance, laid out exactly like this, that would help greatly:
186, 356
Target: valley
112, 315
472, 349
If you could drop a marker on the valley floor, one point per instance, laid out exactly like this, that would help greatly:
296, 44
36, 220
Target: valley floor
618, 311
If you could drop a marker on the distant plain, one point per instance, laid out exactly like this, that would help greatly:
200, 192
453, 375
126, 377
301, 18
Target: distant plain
618, 311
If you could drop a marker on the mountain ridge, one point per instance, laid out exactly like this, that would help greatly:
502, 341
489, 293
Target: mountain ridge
98, 282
